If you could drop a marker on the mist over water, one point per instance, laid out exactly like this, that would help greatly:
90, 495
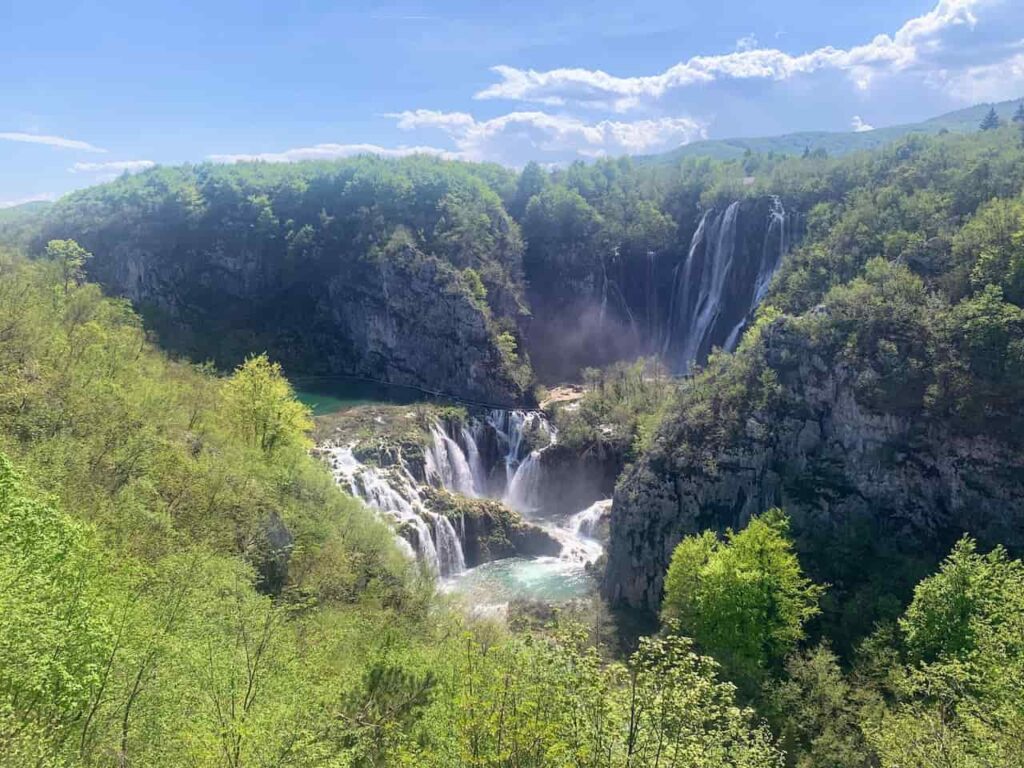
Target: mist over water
676, 305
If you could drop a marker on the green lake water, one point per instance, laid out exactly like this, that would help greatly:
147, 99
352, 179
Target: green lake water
332, 394
548, 579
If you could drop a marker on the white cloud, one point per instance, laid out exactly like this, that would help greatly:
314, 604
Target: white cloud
747, 42
51, 141
30, 199
327, 152
989, 82
882, 54
859, 126
519, 136
116, 166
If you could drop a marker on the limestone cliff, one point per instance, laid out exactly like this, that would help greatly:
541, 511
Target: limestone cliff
785, 424
406, 272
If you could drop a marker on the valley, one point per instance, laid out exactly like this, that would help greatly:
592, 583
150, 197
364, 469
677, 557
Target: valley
455, 465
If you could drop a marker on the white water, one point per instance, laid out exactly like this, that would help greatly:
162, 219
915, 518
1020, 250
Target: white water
586, 523
393, 493
457, 466
449, 546
447, 465
490, 587
712, 286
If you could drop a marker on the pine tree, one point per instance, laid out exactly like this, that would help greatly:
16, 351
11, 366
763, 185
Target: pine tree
991, 120
1018, 116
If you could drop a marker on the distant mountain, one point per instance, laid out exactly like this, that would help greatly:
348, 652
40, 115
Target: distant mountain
961, 121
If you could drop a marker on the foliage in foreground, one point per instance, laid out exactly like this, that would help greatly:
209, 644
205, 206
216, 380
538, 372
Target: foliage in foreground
745, 599
182, 585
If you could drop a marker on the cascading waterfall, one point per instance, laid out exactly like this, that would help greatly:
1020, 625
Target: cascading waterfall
456, 466
467, 459
523, 469
394, 495
470, 439
726, 274
586, 522
524, 490
449, 546
447, 466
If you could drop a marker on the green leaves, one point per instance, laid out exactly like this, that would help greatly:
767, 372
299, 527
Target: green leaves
745, 600
960, 697
53, 631
262, 406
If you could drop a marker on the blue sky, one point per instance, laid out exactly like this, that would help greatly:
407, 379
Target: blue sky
93, 89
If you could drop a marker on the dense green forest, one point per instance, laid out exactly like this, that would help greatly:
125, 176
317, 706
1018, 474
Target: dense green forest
184, 584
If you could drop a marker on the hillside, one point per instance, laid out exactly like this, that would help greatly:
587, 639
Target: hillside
835, 144
408, 272
823, 519
878, 398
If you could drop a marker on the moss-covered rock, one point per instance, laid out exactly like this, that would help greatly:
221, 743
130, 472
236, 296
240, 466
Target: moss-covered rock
489, 529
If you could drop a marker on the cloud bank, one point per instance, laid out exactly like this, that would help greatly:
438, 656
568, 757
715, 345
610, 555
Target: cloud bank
517, 137
901, 51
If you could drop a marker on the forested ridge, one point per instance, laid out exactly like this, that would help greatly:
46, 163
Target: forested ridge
826, 522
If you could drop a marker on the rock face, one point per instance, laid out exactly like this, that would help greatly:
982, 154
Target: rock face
404, 319
405, 272
571, 481
833, 464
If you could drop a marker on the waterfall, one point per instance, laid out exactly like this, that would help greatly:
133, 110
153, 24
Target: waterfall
392, 493
470, 440
586, 523
523, 470
451, 561
719, 249
523, 493
732, 258
453, 461
770, 255
447, 465
681, 315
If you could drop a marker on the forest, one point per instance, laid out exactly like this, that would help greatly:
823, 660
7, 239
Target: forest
182, 583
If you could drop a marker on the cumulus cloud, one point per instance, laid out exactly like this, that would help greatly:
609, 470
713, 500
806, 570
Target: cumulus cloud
520, 136
328, 152
30, 199
987, 82
859, 126
862, 63
116, 166
51, 141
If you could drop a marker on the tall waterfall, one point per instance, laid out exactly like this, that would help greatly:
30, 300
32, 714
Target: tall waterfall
729, 265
